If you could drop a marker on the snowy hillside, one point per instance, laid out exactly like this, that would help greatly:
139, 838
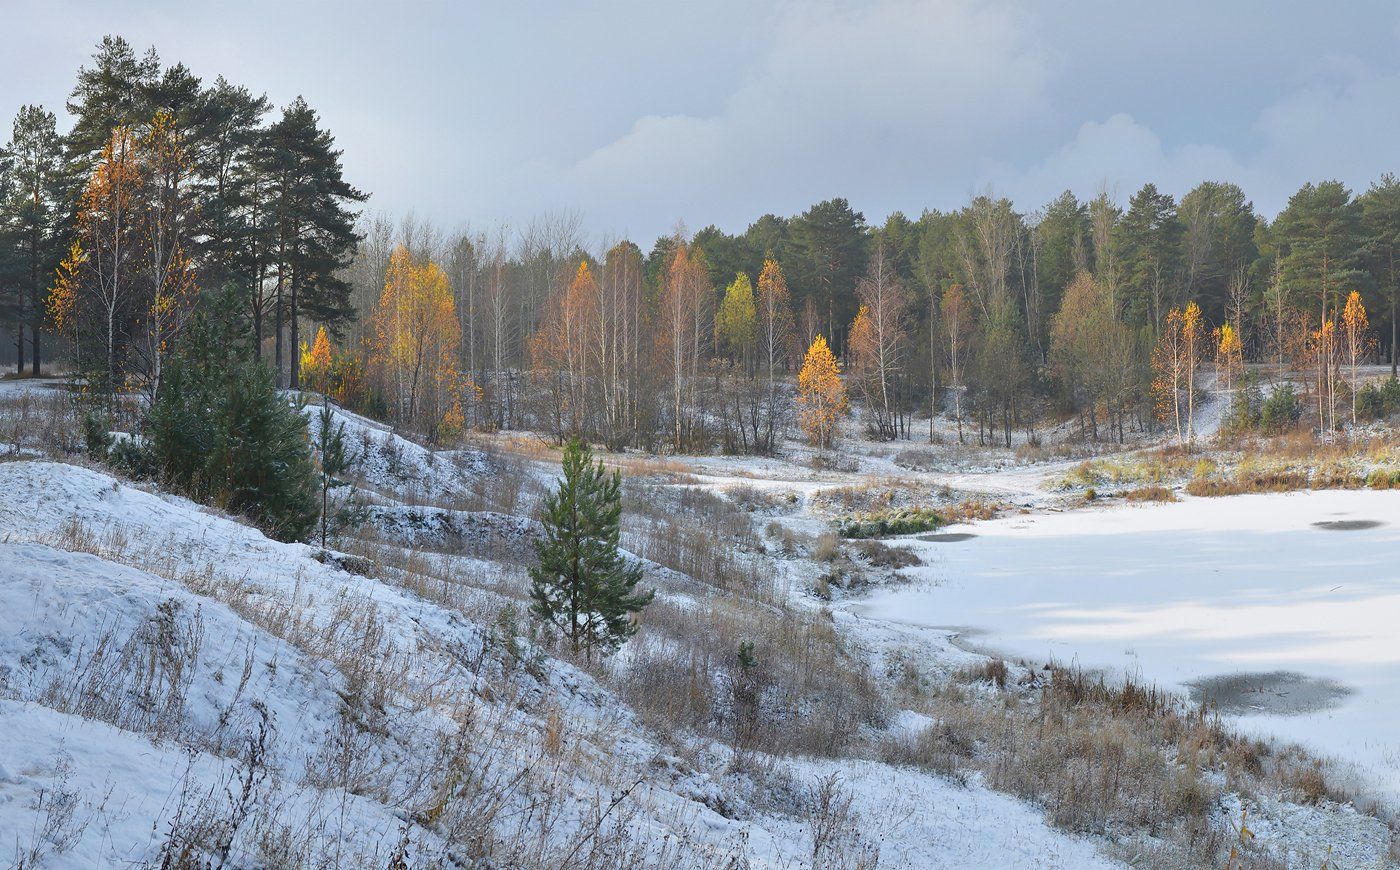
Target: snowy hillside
176, 683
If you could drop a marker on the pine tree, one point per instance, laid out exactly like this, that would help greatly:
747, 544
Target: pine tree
34, 211
222, 432
309, 202
582, 584
1381, 219
114, 92
832, 239
1147, 244
330, 458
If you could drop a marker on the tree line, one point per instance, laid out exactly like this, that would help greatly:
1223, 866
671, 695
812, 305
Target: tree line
1001, 317
166, 190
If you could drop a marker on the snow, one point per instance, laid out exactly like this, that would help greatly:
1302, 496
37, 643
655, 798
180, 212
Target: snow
121, 785
1188, 591
918, 820
387, 461
125, 780
499, 534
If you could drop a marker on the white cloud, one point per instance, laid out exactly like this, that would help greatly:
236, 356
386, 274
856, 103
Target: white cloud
1336, 127
879, 103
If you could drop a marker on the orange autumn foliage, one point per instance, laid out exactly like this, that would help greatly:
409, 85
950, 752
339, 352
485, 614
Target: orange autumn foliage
821, 394
416, 338
316, 362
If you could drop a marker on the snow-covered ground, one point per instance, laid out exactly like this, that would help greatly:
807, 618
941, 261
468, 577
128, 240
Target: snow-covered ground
1288, 624
146, 641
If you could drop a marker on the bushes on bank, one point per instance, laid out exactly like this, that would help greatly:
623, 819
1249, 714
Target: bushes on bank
898, 521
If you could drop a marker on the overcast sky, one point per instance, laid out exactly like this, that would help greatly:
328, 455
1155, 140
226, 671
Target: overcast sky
640, 113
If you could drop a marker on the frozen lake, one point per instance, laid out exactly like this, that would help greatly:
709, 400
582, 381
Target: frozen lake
1285, 608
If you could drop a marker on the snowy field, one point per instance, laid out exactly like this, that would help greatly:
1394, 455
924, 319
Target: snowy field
1288, 624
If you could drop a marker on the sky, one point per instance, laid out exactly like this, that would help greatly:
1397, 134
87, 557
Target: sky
639, 114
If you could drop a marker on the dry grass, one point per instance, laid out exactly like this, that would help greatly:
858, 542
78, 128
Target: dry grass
48, 422
1150, 493
1124, 760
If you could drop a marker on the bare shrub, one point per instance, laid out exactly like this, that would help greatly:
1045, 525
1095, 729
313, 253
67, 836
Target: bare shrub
1149, 493
1106, 758
141, 683
826, 547
58, 825
882, 555
835, 828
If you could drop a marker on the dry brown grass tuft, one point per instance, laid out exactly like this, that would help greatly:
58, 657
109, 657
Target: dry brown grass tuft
1150, 493
1117, 759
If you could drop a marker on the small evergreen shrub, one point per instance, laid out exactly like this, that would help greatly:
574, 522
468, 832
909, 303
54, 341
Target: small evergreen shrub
1279, 411
1245, 406
1377, 401
96, 437
133, 458
221, 431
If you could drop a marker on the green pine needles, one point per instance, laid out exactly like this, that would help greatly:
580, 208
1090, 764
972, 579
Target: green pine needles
582, 584
331, 459
222, 433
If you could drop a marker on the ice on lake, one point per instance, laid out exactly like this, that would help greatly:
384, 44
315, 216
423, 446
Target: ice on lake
1283, 608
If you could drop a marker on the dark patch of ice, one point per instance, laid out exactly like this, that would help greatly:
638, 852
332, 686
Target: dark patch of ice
1347, 525
1281, 693
946, 537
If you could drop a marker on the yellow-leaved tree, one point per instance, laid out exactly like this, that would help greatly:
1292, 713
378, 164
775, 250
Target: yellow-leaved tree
1229, 354
416, 339
821, 394
316, 362
736, 322
1174, 362
1355, 332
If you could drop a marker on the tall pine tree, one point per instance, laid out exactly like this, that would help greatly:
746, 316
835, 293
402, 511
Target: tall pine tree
32, 218
310, 204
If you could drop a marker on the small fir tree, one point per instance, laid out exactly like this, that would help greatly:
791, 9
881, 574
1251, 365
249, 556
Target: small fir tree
330, 459
220, 430
581, 584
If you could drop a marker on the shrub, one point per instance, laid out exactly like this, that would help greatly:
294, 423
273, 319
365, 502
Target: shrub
133, 458
1280, 411
900, 521
221, 431
1384, 478
1245, 406
96, 437
825, 548
1376, 401
884, 556
1150, 493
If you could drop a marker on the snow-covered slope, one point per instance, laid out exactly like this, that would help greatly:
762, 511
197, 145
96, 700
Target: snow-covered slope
396, 465
176, 683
